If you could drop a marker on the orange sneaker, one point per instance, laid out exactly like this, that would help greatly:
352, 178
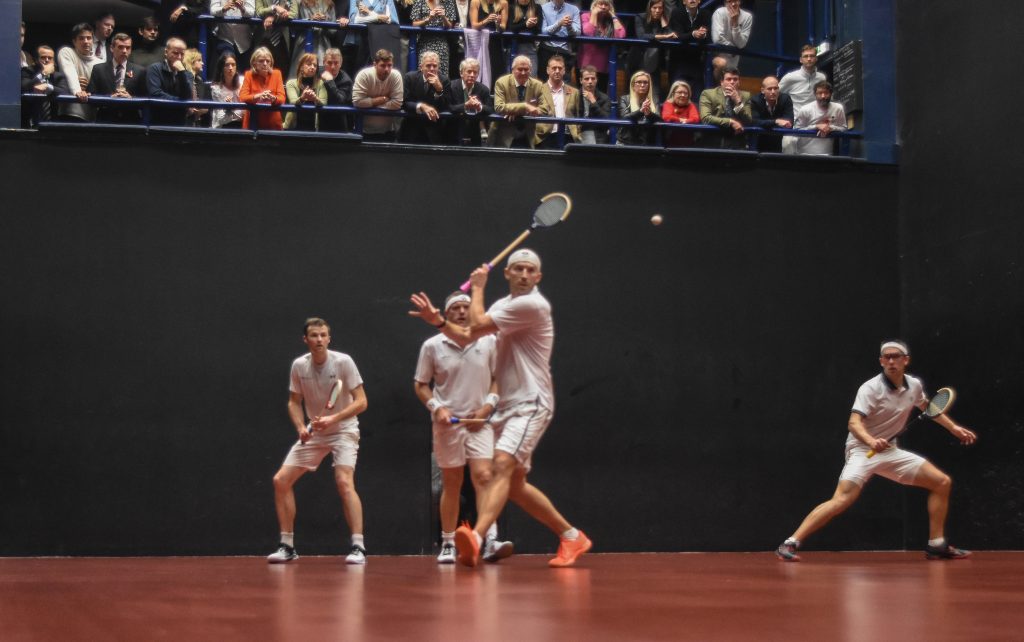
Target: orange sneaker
466, 545
569, 551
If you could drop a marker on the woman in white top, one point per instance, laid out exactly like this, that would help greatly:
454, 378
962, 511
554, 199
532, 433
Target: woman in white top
226, 83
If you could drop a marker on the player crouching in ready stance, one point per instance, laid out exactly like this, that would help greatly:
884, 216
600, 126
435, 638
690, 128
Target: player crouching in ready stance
526, 335
880, 411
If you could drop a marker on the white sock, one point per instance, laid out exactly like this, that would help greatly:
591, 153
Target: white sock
571, 534
492, 532
792, 541
447, 538
938, 542
288, 538
357, 540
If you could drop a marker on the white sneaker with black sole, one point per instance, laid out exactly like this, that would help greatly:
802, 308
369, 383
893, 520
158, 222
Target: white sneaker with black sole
357, 556
495, 550
282, 555
447, 555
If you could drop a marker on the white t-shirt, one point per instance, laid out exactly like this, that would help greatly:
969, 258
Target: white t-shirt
526, 336
314, 384
885, 407
462, 376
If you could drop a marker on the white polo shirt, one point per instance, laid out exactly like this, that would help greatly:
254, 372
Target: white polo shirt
314, 384
885, 407
526, 337
462, 376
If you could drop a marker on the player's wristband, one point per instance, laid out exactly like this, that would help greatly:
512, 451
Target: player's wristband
443, 323
492, 399
432, 405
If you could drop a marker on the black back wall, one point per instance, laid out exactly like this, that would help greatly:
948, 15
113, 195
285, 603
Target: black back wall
704, 369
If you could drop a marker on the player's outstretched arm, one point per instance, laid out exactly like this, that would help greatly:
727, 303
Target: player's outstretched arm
966, 437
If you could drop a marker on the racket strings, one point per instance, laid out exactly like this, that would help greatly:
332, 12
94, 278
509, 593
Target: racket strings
939, 402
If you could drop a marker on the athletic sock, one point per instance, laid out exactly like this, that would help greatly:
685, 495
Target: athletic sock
795, 543
572, 534
357, 540
492, 532
447, 538
288, 538
479, 540
938, 542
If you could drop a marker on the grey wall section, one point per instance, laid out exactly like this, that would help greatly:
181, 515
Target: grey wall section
961, 253
704, 368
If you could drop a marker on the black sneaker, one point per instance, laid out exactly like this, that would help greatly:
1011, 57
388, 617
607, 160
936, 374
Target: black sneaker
282, 555
357, 556
946, 552
787, 552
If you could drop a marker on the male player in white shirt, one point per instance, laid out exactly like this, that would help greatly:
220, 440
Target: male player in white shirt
464, 388
879, 413
526, 334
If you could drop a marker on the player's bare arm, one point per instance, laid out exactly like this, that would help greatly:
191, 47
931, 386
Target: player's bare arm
965, 436
296, 415
425, 393
357, 406
856, 426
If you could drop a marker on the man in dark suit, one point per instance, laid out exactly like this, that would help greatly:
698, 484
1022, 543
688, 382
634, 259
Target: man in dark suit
471, 103
169, 80
118, 77
692, 26
339, 92
595, 104
427, 93
771, 109
43, 79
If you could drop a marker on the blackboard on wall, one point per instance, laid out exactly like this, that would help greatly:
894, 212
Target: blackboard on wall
847, 74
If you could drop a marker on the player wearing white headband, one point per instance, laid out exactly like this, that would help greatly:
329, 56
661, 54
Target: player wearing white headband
464, 387
525, 337
881, 409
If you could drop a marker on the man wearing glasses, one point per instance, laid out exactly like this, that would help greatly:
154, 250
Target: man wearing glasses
880, 411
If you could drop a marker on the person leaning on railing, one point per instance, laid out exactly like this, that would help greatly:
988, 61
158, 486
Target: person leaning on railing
262, 86
640, 106
595, 104
170, 80
679, 109
227, 83
339, 92
440, 14
599, 22
197, 116
306, 89
42, 79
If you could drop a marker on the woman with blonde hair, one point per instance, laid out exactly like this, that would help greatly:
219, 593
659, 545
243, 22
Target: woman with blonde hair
307, 88
679, 109
599, 22
193, 61
641, 107
262, 86
491, 15
526, 18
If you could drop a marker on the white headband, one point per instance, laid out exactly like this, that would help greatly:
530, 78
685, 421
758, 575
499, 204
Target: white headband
524, 256
902, 347
452, 300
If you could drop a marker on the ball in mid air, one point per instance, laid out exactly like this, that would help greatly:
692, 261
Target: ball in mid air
656, 219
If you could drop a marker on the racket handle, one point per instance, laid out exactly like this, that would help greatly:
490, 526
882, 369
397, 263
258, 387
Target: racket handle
871, 453
458, 420
465, 286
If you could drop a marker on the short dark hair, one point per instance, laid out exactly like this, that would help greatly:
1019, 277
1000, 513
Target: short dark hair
317, 321
809, 48
557, 57
120, 37
823, 84
588, 69
731, 69
150, 22
383, 55
103, 14
81, 27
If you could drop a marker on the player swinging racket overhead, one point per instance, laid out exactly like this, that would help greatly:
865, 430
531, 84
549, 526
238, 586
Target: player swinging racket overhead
525, 336
314, 379
463, 396
880, 411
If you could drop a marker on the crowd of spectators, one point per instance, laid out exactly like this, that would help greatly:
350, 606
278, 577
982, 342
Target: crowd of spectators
461, 81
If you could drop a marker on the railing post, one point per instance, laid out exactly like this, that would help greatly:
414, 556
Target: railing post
203, 34
613, 71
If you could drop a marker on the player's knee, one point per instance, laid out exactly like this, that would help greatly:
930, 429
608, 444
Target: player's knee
345, 484
944, 484
504, 465
482, 477
281, 482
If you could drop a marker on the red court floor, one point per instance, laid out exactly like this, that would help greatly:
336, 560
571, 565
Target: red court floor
704, 596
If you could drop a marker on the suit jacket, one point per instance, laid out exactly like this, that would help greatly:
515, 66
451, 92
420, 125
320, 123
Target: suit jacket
339, 94
573, 109
506, 102
602, 108
103, 83
415, 90
712, 112
679, 22
468, 125
765, 117
36, 111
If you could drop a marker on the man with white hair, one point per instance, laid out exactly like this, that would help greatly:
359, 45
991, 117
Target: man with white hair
880, 411
464, 388
426, 93
525, 337
516, 95
471, 103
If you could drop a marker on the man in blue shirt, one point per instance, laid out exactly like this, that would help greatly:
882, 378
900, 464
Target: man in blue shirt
560, 19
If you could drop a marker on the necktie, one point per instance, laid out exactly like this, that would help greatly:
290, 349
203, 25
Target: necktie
99, 48
729, 112
521, 91
120, 75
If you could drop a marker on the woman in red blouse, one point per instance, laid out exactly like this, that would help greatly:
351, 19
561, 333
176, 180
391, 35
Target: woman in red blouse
262, 85
679, 109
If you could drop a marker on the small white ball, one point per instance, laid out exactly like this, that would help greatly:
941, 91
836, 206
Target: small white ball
656, 219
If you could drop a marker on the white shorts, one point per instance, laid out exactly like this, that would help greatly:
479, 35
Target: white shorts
518, 430
343, 447
895, 464
454, 444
